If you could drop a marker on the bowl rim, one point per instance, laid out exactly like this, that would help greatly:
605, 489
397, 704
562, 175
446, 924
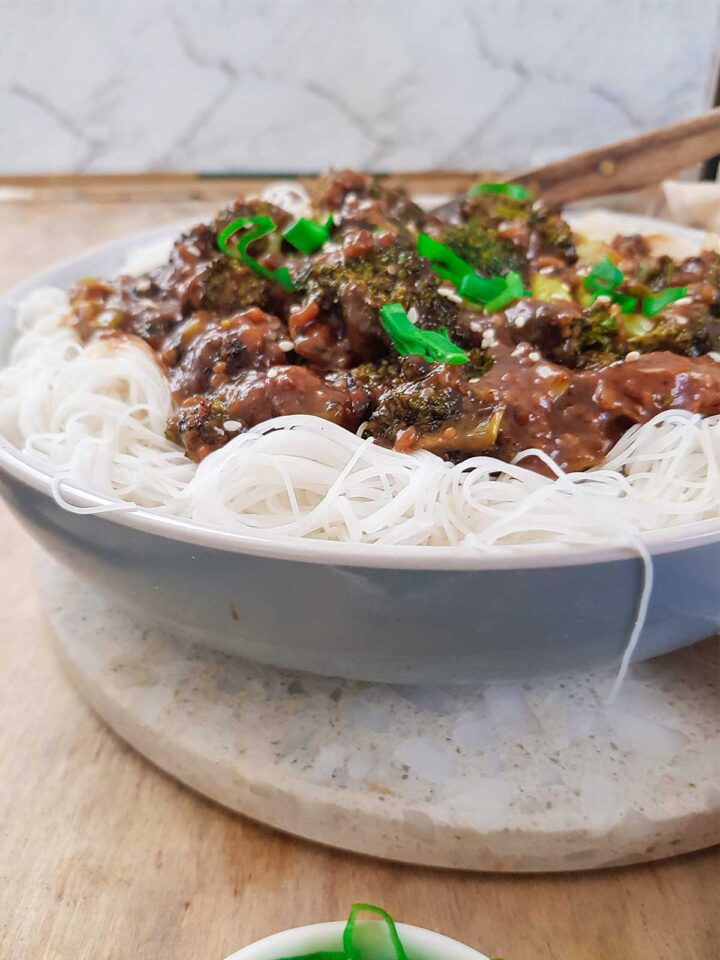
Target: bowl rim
315, 936
433, 558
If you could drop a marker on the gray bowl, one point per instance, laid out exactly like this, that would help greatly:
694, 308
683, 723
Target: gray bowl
401, 614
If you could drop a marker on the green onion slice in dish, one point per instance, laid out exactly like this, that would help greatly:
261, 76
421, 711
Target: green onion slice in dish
493, 292
512, 290
445, 262
261, 227
604, 277
409, 340
516, 191
308, 236
656, 303
365, 941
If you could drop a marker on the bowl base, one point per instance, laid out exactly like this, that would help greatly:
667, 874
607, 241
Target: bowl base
535, 777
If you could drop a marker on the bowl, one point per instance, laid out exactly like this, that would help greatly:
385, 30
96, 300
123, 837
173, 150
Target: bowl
393, 614
420, 944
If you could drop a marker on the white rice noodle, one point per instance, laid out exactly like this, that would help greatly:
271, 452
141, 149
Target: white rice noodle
96, 416
93, 415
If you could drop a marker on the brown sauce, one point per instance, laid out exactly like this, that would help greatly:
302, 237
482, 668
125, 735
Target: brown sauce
561, 375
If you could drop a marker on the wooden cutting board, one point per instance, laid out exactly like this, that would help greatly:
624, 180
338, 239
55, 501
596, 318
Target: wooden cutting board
104, 858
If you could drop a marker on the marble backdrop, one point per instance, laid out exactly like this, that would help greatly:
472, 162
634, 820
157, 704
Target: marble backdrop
241, 85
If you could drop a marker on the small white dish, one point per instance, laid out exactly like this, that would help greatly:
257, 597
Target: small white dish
419, 944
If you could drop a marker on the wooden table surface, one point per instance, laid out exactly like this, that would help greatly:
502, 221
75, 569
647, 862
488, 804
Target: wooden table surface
102, 857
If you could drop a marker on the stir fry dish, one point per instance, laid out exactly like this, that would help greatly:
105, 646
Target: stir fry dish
485, 326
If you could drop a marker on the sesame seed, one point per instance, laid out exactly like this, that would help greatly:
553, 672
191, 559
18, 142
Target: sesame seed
534, 356
413, 315
714, 356
450, 294
286, 345
232, 426
633, 355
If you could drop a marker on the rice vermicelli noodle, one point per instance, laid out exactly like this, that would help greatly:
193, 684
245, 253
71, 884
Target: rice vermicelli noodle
95, 415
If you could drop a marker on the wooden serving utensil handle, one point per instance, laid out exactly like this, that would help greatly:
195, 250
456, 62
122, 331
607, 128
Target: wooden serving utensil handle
628, 164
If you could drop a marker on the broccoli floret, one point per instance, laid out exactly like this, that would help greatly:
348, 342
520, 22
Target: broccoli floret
414, 406
443, 416
391, 274
484, 249
226, 284
690, 336
595, 337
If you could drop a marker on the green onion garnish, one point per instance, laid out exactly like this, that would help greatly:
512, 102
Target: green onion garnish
353, 949
320, 955
262, 227
307, 236
513, 290
360, 941
470, 285
354, 935
480, 289
409, 340
514, 190
446, 263
627, 303
656, 303
604, 277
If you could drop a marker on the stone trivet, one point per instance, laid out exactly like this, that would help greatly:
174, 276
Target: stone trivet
539, 776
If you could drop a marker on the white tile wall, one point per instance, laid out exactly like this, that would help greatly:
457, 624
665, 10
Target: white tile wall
94, 85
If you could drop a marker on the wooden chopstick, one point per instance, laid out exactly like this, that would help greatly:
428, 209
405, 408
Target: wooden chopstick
628, 164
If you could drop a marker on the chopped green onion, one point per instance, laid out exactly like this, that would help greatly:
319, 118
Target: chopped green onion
353, 950
307, 236
604, 277
627, 303
470, 285
320, 955
656, 303
446, 263
513, 291
514, 190
480, 289
262, 227
409, 340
